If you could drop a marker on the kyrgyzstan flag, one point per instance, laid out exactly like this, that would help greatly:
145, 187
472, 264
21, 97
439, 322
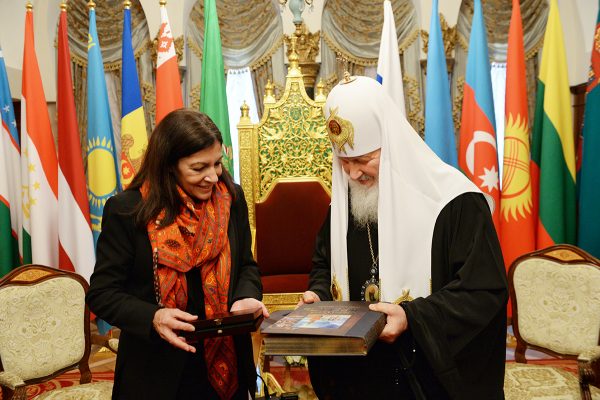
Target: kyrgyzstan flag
168, 88
517, 223
477, 156
76, 251
552, 144
39, 165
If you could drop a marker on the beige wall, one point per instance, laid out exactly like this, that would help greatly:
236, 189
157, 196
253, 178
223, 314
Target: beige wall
578, 21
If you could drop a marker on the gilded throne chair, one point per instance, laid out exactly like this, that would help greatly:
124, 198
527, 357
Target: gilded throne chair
285, 169
556, 310
45, 332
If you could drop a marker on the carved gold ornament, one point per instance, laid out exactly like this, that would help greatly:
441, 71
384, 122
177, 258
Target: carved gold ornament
340, 130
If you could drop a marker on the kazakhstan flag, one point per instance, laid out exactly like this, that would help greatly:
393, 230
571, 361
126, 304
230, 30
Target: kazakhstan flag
103, 177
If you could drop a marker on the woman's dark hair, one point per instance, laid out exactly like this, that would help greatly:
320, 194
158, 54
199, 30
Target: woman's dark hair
179, 134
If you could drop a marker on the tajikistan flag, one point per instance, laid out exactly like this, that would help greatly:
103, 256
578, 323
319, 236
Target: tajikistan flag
39, 165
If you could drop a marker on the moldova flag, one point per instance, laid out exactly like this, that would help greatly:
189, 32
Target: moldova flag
134, 138
589, 184
552, 147
478, 156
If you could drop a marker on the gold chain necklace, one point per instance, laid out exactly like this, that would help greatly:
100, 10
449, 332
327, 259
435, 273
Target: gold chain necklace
370, 289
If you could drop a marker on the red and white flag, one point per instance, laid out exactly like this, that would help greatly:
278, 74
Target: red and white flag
168, 88
39, 165
76, 243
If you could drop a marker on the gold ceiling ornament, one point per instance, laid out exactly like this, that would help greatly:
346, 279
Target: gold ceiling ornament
448, 36
178, 43
307, 47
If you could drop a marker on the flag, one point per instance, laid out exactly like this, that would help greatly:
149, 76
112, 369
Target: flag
134, 138
39, 164
213, 96
589, 185
478, 157
103, 176
10, 178
517, 223
552, 145
389, 72
168, 88
439, 127
76, 243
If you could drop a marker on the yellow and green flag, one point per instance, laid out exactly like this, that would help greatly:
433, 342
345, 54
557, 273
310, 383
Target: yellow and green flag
552, 147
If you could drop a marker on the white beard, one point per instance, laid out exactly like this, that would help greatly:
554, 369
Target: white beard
363, 203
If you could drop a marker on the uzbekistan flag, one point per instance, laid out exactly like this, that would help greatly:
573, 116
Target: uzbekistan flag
134, 138
589, 184
76, 243
39, 164
389, 72
103, 176
168, 88
439, 127
10, 178
552, 147
478, 156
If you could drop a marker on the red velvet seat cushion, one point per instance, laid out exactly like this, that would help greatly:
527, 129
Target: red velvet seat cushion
287, 223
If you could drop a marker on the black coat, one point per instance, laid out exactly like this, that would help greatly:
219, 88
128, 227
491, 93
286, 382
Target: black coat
455, 343
122, 293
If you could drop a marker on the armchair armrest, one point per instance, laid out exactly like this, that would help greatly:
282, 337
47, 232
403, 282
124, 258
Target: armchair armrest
588, 363
11, 381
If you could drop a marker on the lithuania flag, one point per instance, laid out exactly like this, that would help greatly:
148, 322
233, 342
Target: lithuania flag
589, 184
553, 149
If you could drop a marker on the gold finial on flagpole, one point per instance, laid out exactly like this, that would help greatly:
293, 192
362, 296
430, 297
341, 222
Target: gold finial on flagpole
163, 2
29, 6
91, 4
127, 4
63, 5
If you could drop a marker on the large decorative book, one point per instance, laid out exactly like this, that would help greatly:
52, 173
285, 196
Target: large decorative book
338, 328
225, 324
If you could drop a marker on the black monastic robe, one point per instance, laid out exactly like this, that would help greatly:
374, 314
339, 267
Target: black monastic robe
455, 343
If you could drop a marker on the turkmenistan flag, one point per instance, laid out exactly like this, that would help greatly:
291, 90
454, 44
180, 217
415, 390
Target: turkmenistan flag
10, 178
552, 147
213, 96
589, 184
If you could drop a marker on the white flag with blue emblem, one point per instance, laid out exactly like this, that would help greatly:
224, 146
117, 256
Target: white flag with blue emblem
389, 73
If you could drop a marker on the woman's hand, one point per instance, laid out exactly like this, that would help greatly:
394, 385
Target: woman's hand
308, 297
167, 321
396, 322
250, 303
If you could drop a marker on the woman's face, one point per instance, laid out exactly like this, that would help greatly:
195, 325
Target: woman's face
199, 172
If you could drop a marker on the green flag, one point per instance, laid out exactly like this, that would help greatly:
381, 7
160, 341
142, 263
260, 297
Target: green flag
589, 189
213, 97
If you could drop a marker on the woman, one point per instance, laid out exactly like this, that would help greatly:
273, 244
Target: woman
175, 247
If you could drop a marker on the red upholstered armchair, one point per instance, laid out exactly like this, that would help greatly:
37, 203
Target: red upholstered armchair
285, 169
287, 222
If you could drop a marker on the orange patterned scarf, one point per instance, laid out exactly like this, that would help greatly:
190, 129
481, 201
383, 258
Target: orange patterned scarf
198, 239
